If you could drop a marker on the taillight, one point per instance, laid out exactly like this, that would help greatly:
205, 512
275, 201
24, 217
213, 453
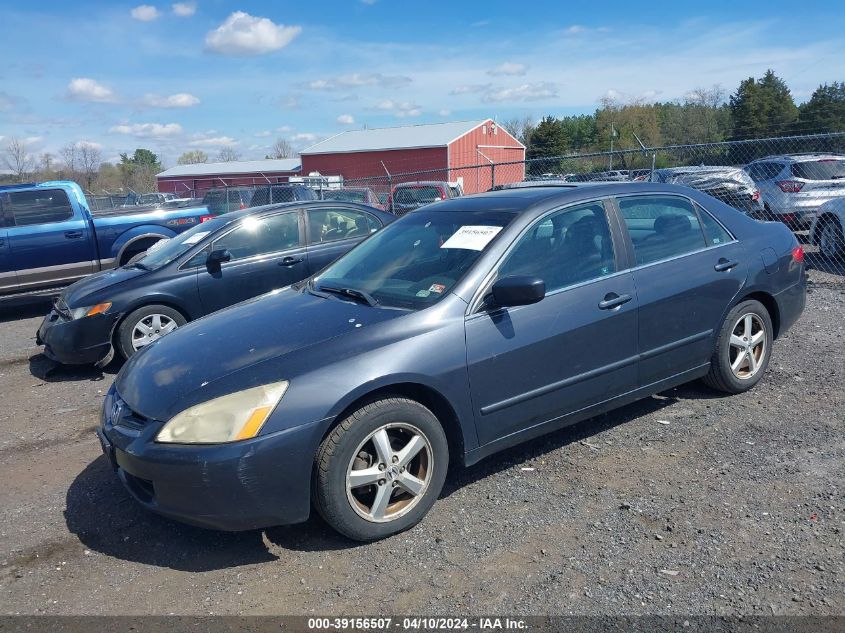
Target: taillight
756, 195
790, 186
798, 254
206, 218
242, 206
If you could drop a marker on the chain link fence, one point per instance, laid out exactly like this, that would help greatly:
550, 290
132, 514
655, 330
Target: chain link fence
797, 180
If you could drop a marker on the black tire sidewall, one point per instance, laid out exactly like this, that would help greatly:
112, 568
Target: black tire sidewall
333, 503
723, 351
124, 330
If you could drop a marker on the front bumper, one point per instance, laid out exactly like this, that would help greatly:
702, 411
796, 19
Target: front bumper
77, 341
244, 485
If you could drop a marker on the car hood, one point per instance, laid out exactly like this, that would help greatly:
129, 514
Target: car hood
90, 288
221, 353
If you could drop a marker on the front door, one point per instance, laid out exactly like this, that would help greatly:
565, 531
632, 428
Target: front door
8, 278
51, 244
267, 253
688, 269
577, 347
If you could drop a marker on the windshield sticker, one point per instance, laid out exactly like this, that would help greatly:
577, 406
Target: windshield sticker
438, 288
423, 293
472, 238
196, 237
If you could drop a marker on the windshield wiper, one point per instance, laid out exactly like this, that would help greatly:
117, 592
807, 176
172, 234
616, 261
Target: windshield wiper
141, 266
352, 293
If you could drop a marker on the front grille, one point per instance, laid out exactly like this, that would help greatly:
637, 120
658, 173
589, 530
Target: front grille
123, 416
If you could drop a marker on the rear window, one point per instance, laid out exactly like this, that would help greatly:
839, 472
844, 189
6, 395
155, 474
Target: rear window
417, 195
38, 207
344, 195
825, 169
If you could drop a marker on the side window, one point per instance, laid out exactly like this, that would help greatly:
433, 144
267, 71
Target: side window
568, 247
330, 225
714, 232
259, 236
43, 206
661, 227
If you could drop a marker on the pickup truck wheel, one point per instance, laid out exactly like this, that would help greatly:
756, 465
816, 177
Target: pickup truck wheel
145, 325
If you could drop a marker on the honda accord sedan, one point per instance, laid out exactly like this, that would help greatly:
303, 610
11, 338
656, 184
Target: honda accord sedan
463, 328
215, 264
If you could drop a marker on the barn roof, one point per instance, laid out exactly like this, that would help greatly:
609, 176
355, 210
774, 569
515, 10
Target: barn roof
268, 165
406, 137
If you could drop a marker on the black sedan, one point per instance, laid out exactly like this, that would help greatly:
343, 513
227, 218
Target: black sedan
463, 328
218, 263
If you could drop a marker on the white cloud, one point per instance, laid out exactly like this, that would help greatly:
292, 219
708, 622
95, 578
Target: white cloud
369, 2
31, 140
214, 141
470, 89
90, 144
508, 68
525, 92
244, 34
184, 9
145, 13
284, 128
356, 80
148, 130
575, 29
86, 89
304, 137
263, 134
346, 119
400, 109
178, 100
445, 112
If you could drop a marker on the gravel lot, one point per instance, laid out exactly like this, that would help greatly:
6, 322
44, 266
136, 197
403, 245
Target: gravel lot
686, 503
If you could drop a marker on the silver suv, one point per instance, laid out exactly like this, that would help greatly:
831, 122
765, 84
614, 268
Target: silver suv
794, 186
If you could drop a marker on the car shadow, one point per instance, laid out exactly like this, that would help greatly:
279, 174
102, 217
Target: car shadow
49, 370
107, 520
24, 308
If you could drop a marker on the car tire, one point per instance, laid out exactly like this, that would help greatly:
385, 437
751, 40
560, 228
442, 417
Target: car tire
154, 318
743, 349
396, 446
831, 240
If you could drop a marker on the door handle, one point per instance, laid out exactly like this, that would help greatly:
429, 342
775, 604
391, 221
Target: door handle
73, 235
612, 300
724, 265
290, 261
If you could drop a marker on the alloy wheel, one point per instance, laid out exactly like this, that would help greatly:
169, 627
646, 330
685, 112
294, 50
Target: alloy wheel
389, 472
747, 346
830, 241
151, 328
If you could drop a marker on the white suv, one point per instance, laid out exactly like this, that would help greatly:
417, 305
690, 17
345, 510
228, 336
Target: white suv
794, 186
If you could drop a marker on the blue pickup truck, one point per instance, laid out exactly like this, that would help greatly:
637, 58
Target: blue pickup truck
49, 237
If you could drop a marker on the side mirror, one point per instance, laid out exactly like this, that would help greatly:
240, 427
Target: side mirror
518, 291
217, 257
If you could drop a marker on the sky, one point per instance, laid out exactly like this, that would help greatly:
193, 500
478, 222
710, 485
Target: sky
209, 74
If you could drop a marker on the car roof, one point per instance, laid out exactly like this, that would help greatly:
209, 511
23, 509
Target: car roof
799, 157
300, 204
421, 182
545, 195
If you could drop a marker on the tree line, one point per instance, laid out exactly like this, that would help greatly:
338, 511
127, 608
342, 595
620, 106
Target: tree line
759, 108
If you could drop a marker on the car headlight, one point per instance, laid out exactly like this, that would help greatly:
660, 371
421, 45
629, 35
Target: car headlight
230, 418
78, 313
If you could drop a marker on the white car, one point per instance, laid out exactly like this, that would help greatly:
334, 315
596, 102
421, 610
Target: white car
828, 229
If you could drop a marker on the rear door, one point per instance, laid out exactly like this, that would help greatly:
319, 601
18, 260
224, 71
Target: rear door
268, 252
334, 230
577, 347
687, 271
50, 240
8, 278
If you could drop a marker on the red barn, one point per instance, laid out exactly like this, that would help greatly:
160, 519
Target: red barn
194, 180
444, 151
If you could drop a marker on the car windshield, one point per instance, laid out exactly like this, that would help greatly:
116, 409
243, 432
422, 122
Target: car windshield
824, 169
417, 195
149, 198
165, 251
345, 195
415, 261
